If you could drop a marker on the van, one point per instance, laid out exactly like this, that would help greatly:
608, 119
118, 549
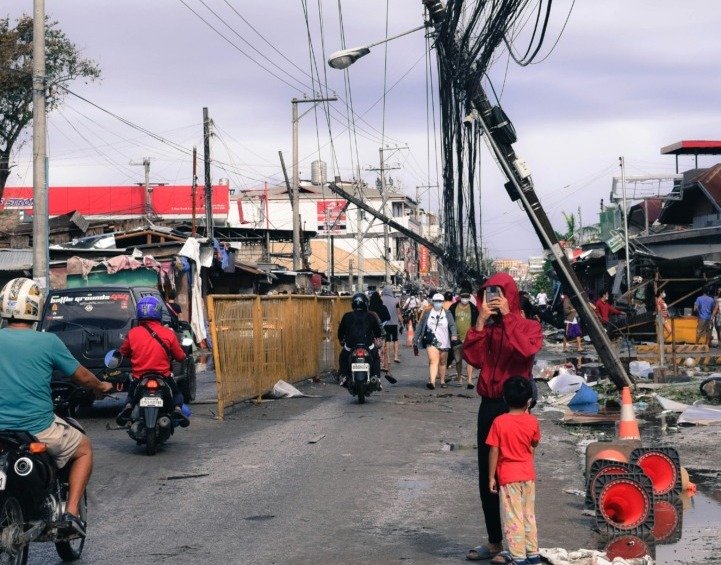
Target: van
91, 321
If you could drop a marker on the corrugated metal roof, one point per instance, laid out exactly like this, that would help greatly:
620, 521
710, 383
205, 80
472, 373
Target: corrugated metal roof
16, 259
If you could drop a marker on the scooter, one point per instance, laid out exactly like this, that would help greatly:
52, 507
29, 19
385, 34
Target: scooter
152, 417
33, 491
361, 383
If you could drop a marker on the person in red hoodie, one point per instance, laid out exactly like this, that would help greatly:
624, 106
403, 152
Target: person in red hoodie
604, 309
503, 343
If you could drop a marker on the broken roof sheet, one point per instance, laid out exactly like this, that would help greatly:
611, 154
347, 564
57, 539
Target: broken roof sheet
16, 259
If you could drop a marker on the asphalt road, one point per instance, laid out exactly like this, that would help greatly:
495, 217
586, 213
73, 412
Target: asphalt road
380, 485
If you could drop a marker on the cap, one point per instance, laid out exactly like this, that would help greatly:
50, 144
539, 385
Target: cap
437, 297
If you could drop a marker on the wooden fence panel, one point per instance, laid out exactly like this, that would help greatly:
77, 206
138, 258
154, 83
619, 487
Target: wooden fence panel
260, 340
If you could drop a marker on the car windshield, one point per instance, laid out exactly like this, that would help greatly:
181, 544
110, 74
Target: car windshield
100, 310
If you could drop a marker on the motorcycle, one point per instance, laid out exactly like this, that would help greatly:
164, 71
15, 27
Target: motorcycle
152, 417
33, 491
361, 383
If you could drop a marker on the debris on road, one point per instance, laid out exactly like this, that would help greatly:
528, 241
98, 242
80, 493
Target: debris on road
316, 439
282, 389
559, 556
185, 476
701, 415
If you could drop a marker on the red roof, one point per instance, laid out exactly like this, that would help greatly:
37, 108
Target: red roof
693, 147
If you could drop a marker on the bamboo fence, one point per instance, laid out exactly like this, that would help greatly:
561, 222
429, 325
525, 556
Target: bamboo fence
259, 340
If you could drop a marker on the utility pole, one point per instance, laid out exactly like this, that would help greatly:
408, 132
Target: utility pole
295, 204
384, 200
208, 185
194, 190
350, 276
580, 227
622, 163
145, 163
40, 182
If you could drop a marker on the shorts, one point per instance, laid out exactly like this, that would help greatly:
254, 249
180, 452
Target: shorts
391, 332
62, 441
704, 328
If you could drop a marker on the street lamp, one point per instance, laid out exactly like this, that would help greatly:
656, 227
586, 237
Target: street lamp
346, 57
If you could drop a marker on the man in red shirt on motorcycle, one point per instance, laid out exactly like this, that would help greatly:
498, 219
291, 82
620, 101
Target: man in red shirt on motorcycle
150, 347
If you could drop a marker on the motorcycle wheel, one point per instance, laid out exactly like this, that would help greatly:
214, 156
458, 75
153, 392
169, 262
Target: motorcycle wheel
151, 442
188, 385
11, 516
71, 550
361, 394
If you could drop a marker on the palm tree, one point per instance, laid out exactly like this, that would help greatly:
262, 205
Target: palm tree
570, 234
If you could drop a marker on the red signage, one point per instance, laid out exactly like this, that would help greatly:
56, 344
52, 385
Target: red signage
118, 201
331, 216
424, 260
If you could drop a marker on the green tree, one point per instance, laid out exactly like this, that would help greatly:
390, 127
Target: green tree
570, 233
63, 64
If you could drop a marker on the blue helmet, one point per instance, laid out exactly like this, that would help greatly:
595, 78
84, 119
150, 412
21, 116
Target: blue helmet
149, 308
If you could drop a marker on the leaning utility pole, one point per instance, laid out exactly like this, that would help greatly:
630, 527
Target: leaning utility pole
194, 190
208, 185
295, 203
500, 136
40, 182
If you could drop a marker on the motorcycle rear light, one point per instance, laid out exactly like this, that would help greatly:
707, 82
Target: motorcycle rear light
360, 353
152, 383
37, 447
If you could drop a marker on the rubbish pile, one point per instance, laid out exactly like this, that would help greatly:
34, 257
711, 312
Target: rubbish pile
634, 491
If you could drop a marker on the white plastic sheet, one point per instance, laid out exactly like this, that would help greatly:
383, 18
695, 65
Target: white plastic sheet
282, 389
701, 415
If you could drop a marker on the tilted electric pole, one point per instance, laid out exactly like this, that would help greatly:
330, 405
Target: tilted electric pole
209, 230
498, 131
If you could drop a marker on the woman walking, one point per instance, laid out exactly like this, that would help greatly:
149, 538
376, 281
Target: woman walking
435, 332
379, 309
662, 310
573, 328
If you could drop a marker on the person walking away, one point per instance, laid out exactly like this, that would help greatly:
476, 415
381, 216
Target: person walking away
704, 307
542, 299
436, 330
377, 307
604, 309
465, 316
151, 347
512, 441
717, 317
359, 327
662, 310
27, 363
572, 327
394, 309
501, 344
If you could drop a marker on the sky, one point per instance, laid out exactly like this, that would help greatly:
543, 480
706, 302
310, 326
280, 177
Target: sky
625, 78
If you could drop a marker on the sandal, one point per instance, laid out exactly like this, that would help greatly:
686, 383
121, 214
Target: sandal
396, 360
430, 386
505, 558
444, 385
470, 387
480, 553
391, 379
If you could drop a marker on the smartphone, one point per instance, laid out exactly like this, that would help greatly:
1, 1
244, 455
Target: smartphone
492, 292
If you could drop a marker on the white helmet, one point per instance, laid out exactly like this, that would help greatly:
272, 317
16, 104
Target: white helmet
21, 299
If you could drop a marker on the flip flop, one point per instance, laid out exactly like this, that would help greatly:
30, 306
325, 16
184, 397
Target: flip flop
444, 385
396, 360
480, 553
430, 386
470, 387
505, 558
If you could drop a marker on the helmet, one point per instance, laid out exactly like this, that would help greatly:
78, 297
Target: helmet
360, 301
149, 308
21, 299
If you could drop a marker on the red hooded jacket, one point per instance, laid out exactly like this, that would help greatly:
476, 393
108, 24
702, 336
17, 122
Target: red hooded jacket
504, 349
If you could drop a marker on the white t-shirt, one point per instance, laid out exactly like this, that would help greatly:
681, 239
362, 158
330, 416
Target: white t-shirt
438, 322
542, 298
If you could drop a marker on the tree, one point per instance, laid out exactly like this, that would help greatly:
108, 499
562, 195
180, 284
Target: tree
570, 234
63, 64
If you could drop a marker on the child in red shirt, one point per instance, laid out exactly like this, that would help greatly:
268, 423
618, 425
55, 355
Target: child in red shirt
513, 439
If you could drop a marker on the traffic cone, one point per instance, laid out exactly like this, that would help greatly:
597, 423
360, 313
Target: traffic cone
410, 334
624, 503
628, 426
661, 465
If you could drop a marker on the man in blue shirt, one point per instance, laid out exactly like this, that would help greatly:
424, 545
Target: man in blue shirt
703, 307
27, 361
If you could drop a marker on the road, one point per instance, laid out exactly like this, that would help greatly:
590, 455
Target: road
378, 486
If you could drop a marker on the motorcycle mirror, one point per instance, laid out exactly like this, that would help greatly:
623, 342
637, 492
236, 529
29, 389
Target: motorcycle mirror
187, 342
112, 359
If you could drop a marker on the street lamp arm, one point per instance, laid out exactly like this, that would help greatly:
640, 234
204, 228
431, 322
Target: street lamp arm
346, 57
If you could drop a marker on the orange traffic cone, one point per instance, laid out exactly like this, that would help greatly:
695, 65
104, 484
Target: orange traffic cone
628, 426
410, 334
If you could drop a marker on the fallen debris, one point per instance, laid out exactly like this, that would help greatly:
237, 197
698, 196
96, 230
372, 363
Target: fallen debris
701, 415
186, 476
559, 556
282, 389
316, 439
670, 405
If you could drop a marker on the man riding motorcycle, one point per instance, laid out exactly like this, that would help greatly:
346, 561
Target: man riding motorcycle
359, 327
27, 361
150, 347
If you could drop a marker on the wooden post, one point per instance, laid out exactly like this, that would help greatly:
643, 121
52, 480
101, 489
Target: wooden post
673, 348
261, 367
216, 357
